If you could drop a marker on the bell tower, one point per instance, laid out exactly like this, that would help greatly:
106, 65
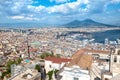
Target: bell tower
115, 61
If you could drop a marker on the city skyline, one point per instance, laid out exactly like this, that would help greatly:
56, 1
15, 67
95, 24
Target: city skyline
59, 11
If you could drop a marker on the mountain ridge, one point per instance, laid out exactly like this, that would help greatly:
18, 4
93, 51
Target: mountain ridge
86, 23
72, 24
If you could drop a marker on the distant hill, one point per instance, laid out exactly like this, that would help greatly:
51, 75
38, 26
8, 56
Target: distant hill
73, 24
23, 25
86, 23
18, 25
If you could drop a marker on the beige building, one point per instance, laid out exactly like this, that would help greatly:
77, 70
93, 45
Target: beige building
107, 70
1, 45
28, 74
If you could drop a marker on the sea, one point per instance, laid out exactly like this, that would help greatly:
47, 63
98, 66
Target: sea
111, 35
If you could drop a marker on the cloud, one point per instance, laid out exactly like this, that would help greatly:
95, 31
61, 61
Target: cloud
17, 8
17, 17
23, 18
58, 9
112, 6
68, 8
14, 7
20, 10
84, 1
59, 1
34, 9
97, 7
115, 1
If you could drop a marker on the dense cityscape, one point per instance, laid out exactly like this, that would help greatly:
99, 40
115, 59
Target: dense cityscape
48, 54
59, 39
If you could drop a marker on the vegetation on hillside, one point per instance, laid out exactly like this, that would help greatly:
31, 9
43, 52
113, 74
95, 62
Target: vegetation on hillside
46, 54
7, 72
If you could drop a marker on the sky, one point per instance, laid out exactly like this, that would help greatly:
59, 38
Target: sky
59, 11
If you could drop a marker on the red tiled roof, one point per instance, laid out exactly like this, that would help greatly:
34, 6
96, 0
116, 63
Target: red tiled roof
57, 60
33, 50
82, 60
77, 53
96, 51
91, 51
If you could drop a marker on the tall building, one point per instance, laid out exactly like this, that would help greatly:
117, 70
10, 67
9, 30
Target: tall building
115, 62
15, 69
114, 66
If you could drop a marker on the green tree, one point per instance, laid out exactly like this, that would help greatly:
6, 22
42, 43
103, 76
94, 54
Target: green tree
18, 60
50, 73
37, 67
45, 54
58, 55
8, 66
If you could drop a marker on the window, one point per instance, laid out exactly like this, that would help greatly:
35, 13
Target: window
112, 51
75, 78
115, 59
106, 79
97, 78
50, 66
118, 52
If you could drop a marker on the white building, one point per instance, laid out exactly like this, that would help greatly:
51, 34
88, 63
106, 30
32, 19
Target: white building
16, 69
74, 73
115, 62
27, 74
102, 70
55, 63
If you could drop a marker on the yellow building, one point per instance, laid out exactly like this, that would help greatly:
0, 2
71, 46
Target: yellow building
1, 45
